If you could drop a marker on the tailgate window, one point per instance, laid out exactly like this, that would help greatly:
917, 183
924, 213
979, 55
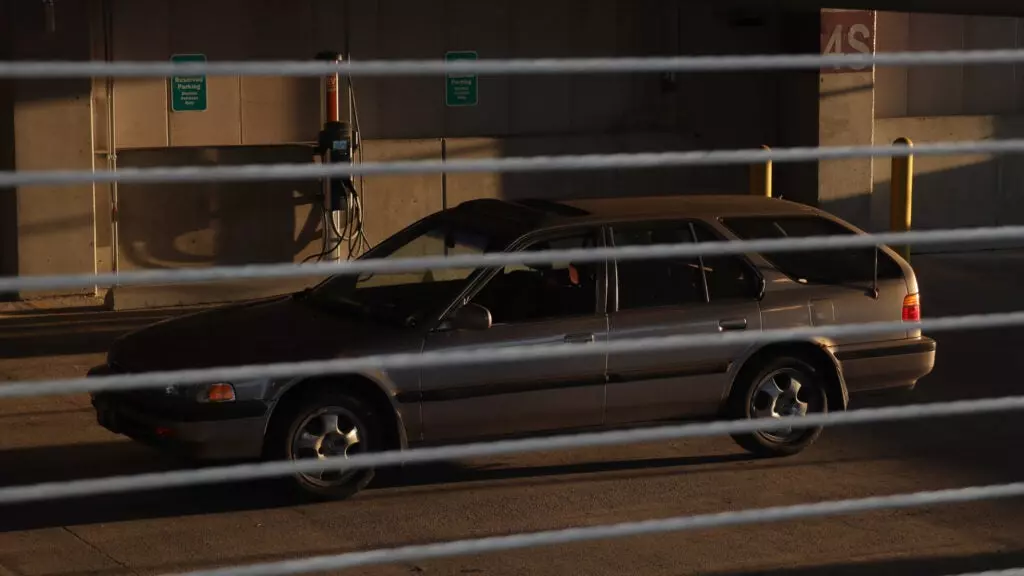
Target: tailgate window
824, 266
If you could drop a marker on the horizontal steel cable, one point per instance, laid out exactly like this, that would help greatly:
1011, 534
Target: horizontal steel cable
724, 63
623, 530
280, 468
619, 161
499, 259
556, 163
1007, 572
484, 355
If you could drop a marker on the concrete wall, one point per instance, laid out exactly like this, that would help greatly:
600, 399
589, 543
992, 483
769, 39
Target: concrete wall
52, 129
845, 114
260, 120
955, 103
949, 90
956, 191
128, 123
8, 197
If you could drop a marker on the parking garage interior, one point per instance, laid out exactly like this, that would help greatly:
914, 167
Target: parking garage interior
110, 124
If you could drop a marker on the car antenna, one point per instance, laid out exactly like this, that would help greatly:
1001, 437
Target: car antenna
874, 279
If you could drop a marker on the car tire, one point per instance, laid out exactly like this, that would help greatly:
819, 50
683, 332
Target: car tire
770, 390
305, 430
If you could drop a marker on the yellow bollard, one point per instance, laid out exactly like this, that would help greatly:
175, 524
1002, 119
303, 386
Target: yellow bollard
761, 178
901, 194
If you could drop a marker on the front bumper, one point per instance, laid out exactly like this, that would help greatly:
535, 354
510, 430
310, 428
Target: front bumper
876, 366
195, 431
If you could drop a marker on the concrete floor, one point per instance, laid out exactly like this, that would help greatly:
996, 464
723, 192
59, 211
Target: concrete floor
155, 532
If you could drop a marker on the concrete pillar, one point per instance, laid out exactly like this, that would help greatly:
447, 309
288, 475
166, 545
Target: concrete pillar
798, 108
8, 209
846, 115
52, 125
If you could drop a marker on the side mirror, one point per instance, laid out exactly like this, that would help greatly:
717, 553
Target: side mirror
470, 317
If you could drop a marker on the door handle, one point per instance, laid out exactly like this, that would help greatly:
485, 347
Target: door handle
579, 338
732, 324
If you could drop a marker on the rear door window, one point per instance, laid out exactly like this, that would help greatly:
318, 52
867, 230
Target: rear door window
657, 282
826, 266
728, 277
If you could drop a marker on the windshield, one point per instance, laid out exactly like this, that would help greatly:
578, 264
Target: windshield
405, 298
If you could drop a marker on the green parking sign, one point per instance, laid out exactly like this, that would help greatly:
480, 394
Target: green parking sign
461, 89
188, 93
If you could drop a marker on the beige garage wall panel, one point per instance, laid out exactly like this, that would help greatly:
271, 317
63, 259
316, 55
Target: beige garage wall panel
101, 141
959, 191
279, 110
949, 191
52, 121
214, 224
217, 223
1019, 70
518, 105
599, 102
97, 51
648, 28
989, 89
141, 32
728, 110
399, 107
891, 81
247, 110
275, 109
462, 187
589, 184
483, 27
329, 23
391, 203
199, 27
55, 223
542, 29
975, 90
935, 90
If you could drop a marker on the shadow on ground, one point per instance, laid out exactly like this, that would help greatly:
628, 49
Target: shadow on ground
902, 567
970, 364
86, 461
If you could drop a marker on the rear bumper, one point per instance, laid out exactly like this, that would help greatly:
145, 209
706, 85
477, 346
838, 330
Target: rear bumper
198, 432
886, 365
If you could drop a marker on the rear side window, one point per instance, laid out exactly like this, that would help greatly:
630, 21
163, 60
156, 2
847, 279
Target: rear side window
827, 266
728, 277
660, 281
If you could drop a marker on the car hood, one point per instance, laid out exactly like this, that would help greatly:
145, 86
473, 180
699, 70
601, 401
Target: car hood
280, 329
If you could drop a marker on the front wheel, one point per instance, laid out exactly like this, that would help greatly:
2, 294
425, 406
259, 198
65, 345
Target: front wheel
781, 387
326, 424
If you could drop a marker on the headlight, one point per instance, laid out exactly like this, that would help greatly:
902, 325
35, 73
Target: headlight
219, 392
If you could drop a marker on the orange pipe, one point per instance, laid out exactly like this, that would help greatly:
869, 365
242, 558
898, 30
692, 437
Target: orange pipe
333, 108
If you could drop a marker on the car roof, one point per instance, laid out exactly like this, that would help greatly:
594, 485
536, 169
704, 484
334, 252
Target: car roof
534, 214
695, 206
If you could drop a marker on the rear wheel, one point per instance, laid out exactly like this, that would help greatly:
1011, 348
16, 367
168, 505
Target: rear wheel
781, 387
326, 425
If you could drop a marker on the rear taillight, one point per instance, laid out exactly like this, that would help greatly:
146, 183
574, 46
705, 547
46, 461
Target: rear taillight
912, 308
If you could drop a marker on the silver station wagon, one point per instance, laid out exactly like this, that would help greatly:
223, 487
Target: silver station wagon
560, 304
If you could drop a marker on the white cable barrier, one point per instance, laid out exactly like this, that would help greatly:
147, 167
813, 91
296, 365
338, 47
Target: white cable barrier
623, 530
499, 259
435, 359
41, 70
242, 472
1008, 572
682, 64
639, 160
